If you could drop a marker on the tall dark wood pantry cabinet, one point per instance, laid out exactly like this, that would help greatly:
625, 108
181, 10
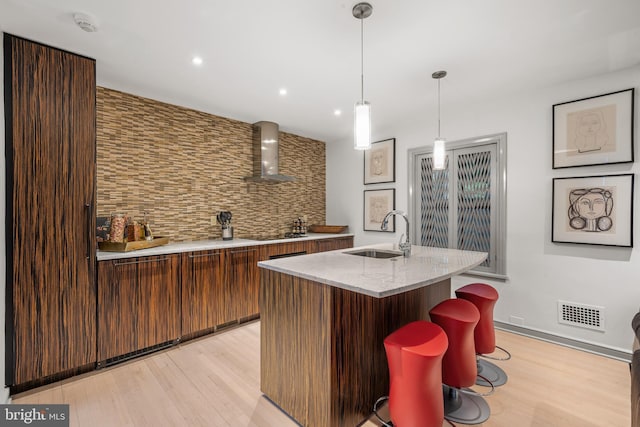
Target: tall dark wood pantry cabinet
50, 110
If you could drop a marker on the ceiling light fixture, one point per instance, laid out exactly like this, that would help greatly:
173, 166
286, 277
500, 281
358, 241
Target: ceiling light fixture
362, 111
438, 144
283, 92
337, 112
196, 60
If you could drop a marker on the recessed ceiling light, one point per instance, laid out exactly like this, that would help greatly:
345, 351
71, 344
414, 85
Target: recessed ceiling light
196, 60
337, 112
283, 92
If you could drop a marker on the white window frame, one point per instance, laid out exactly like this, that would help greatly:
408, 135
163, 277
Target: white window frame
499, 205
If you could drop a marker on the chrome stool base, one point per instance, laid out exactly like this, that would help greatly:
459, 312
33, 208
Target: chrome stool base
491, 372
464, 406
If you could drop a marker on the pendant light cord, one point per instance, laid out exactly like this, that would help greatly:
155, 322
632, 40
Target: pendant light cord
438, 108
438, 75
362, 59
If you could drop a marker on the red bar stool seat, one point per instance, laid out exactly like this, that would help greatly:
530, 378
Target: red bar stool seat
458, 318
484, 297
414, 354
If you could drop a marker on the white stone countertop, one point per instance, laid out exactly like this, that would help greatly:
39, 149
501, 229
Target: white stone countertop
203, 245
378, 277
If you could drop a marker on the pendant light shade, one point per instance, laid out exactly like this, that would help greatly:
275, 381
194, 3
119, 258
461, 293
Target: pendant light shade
362, 110
439, 152
362, 126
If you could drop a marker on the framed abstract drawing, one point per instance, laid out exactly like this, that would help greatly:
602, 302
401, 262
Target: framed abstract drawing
380, 162
377, 203
594, 210
594, 131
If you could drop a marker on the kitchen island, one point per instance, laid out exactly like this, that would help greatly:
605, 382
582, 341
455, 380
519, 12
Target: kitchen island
324, 318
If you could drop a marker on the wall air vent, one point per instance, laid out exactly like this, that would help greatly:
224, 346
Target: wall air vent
582, 315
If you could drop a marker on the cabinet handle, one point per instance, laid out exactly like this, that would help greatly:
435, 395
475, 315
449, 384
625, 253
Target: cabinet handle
243, 251
204, 255
117, 264
88, 213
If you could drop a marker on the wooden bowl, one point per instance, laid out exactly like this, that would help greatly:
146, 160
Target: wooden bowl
335, 229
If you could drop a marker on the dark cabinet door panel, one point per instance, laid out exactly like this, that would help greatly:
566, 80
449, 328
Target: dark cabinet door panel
324, 245
159, 301
138, 304
243, 283
288, 248
117, 309
202, 278
50, 155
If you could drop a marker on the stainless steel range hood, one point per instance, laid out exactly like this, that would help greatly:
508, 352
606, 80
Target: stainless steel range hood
265, 154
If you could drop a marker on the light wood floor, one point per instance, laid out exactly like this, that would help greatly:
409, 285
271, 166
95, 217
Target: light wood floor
215, 381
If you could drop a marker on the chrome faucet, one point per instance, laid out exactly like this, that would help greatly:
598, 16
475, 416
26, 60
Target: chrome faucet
405, 246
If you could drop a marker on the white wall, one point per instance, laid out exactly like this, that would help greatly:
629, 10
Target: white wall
540, 272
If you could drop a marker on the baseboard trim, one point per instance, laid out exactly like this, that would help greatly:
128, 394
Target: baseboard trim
567, 342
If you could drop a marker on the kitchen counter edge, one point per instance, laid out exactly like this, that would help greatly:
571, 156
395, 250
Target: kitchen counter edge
209, 244
379, 278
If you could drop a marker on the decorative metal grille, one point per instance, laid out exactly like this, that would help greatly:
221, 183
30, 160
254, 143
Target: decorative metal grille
464, 205
474, 202
434, 204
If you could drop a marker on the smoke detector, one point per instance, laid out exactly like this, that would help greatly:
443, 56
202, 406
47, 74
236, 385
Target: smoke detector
86, 22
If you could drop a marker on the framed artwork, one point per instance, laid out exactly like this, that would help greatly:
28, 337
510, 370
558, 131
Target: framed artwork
594, 210
377, 203
380, 162
594, 131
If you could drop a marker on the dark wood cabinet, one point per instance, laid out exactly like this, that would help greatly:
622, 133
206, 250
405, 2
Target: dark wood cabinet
202, 290
50, 98
219, 287
138, 304
243, 282
323, 245
150, 301
301, 247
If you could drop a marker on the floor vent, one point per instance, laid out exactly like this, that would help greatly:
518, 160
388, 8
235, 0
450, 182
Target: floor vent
136, 353
582, 315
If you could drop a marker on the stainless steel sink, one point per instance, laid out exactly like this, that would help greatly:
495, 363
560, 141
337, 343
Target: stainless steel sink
375, 253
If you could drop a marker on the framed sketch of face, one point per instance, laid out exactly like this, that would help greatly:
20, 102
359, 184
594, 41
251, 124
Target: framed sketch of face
594, 131
377, 203
595, 210
380, 162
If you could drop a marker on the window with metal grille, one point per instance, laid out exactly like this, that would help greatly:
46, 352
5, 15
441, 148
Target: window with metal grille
462, 206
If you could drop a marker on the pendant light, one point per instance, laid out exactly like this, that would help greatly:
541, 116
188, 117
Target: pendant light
438, 144
362, 111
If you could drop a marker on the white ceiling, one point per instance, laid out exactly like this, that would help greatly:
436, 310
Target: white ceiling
252, 48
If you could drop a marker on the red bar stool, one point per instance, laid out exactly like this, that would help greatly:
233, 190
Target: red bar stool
484, 297
458, 318
414, 354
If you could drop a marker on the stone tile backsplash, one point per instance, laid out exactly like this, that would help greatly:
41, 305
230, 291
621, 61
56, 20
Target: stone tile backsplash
184, 166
